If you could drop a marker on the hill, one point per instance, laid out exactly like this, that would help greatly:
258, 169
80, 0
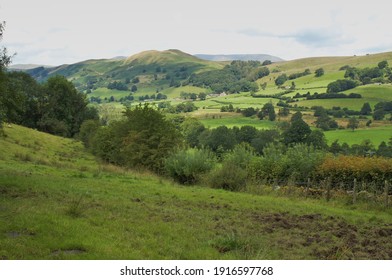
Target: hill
23, 67
152, 69
57, 202
243, 57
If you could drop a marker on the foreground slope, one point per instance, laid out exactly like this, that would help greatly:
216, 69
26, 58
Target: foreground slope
57, 202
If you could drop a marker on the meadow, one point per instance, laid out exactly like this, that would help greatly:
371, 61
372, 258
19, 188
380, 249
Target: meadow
58, 202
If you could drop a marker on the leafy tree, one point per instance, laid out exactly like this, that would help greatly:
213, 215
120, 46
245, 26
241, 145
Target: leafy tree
284, 112
133, 88
191, 129
319, 72
341, 85
319, 111
248, 112
379, 114
317, 139
266, 62
384, 150
297, 132
326, 123
281, 79
87, 131
383, 64
353, 123
144, 139
366, 109
263, 138
5, 60
63, 108
117, 85
202, 96
246, 133
268, 110
219, 139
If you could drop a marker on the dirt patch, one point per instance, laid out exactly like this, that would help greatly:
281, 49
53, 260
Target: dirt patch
326, 237
24, 232
75, 251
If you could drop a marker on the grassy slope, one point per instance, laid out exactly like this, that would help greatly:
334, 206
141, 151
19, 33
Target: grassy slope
56, 202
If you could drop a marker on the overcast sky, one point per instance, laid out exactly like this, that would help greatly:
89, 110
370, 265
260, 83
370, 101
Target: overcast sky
55, 32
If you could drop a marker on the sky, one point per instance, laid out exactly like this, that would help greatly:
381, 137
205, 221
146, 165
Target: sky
52, 32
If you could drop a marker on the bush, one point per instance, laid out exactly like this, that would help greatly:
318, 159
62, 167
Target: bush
142, 140
229, 177
188, 166
341, 85
233, 173
296, 163
344, 169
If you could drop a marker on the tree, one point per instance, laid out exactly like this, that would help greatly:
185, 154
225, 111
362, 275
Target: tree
383, 64
319, 72
134, 88
218, 139
325, 122
191, 128
266, 62
202, 96
5, 60
143, 139
63, 107
248, 112
366, 109
341, 85
297, 132
284, 112
281, 79
267, 110
246, 133
317, 139
379, 114
353, 123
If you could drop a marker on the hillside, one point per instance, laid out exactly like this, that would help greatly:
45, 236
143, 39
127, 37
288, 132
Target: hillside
333, 63
167, 77
57, 202
153, 69
243, 57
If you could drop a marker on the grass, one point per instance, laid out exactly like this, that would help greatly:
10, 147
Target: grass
62, 204
105, 92
212, 120
375, 135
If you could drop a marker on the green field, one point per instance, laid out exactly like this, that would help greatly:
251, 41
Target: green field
57, 202
105, 92
375, 135
215, 120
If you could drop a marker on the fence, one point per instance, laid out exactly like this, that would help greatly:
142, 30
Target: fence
356, 190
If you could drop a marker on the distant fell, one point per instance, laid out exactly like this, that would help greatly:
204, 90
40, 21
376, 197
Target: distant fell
243, 57
23, 67
159, 57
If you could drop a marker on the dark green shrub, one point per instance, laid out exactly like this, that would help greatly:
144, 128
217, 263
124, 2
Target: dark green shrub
229, 176
188, 166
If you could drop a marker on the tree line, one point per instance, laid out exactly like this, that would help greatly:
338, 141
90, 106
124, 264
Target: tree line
238, 76
184, 149
54, 107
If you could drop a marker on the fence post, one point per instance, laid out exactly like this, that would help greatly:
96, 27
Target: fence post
307, 188
328, 188
355, 191
386, 191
